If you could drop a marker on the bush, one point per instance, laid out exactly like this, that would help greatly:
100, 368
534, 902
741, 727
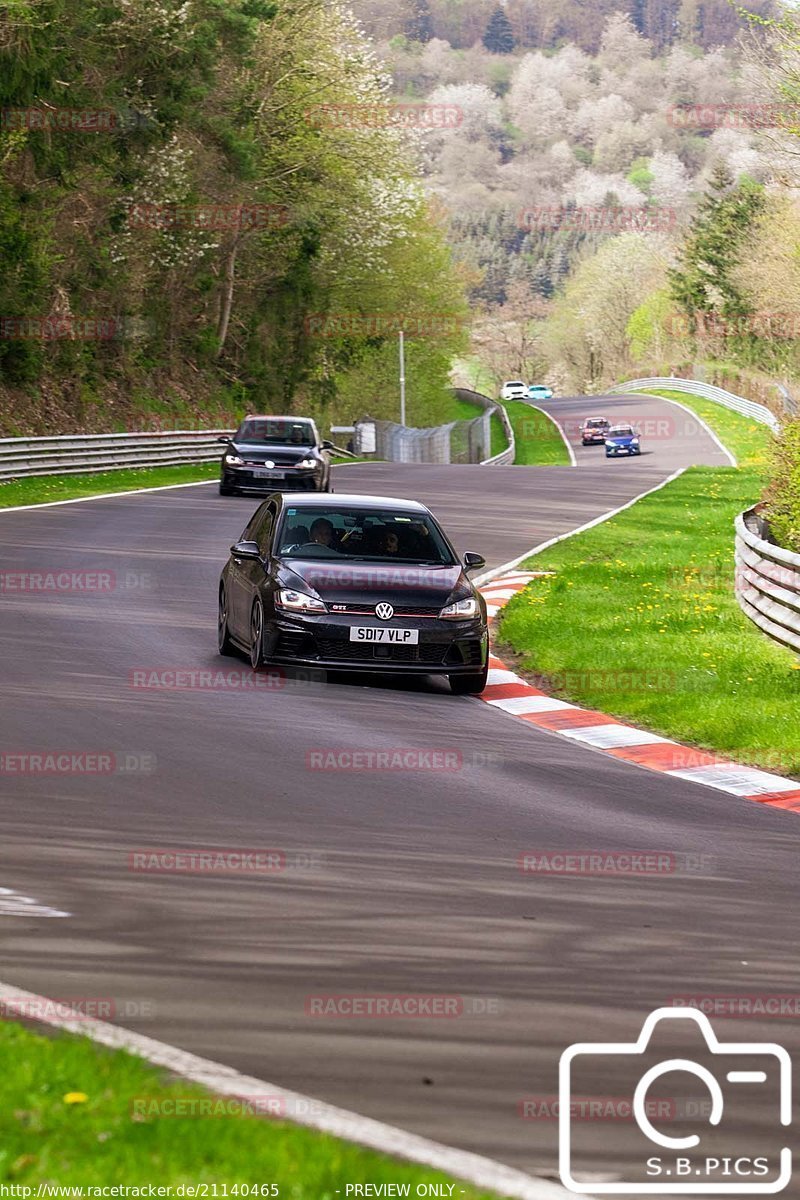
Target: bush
783, 494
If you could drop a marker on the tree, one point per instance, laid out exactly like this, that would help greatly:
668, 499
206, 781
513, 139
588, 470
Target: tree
419, 25
704, 281
499, 36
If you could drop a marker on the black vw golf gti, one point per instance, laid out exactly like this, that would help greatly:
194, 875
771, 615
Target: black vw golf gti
267, 453
361, 583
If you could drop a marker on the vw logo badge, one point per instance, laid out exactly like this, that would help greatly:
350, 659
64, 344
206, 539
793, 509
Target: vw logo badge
384, 611
269, 465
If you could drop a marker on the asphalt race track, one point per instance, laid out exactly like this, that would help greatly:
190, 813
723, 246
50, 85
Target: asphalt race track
403, 882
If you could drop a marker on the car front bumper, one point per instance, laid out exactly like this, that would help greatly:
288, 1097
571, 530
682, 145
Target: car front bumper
444, 647
613, 450
292, 481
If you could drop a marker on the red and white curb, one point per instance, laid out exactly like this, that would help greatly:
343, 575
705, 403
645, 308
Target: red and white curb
509, 692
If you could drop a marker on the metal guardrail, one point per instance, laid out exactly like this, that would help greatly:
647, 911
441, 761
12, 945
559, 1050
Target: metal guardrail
505, 457
74, 454
456, 442
767, 581
748, 408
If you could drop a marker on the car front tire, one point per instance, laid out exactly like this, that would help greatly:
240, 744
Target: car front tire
224, 643
469, 685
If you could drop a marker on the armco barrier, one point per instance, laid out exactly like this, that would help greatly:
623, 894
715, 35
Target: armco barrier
767, 582
505, 457
73, 454
748, 408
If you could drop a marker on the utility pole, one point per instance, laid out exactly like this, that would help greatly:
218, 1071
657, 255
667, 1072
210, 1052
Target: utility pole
402, 379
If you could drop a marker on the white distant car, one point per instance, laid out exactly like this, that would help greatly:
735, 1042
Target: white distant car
514, 389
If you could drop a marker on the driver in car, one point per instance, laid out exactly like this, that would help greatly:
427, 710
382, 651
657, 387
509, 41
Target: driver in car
322, 532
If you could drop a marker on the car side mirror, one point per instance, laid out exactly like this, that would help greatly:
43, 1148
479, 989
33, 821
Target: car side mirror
473, 561
245, 550
326, 445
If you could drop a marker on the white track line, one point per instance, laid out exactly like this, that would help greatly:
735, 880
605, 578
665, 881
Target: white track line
573, 460
695, 416
487, 576
303, 1110
164, 487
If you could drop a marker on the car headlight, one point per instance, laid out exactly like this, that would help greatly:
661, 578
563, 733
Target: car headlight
232, 460
299, 601
461, 610
634, 441
610, 445
307, 464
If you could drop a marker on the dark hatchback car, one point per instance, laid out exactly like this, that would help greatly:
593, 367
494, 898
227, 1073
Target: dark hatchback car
267, 453
359, 583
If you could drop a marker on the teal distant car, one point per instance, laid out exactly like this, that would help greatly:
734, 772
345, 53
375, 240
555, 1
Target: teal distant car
538, 391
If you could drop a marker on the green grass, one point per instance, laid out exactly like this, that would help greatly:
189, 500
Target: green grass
748, 441
640, 618
96, 1142
463, 410
46, 488
538, 440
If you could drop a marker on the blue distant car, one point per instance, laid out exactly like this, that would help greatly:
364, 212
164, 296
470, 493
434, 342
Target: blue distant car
538, 391
622, 439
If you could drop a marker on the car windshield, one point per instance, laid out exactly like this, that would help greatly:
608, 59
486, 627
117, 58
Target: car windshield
621, 431
364, 534
275, 431
597, 423
515, 383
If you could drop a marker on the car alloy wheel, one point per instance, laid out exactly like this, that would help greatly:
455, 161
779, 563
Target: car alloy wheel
257, 636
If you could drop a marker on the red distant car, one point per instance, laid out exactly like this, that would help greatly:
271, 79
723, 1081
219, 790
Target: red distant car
594, 430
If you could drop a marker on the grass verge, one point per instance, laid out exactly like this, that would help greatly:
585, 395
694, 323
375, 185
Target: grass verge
73, 1113
640, 618
538, 440
45, 488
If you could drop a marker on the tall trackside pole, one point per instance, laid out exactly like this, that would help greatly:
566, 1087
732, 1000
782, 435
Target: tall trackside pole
402, 379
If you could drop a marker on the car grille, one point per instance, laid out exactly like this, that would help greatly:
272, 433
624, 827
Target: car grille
431, 653
400, 610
